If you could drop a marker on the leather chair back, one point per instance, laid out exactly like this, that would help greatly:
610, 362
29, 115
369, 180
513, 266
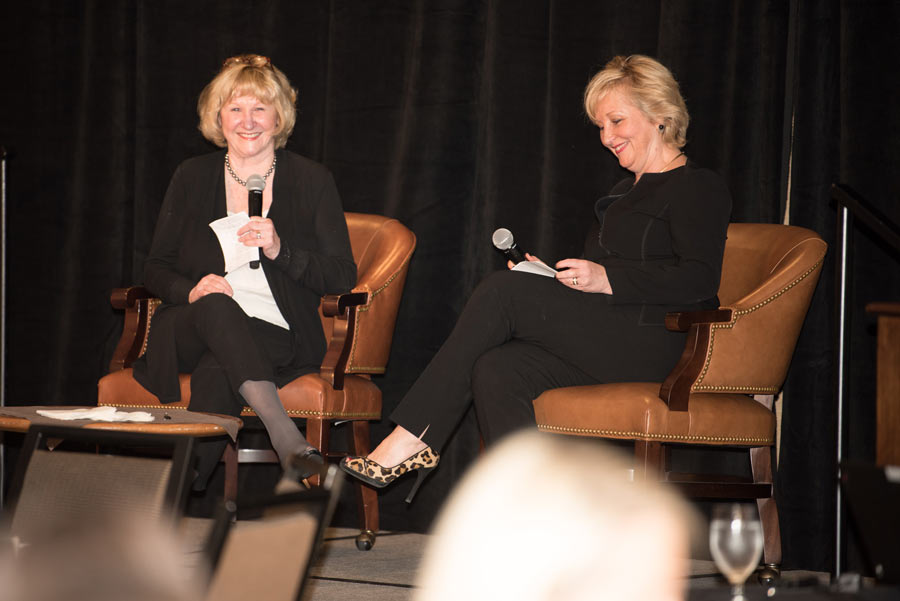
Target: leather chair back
382, 248
769, 274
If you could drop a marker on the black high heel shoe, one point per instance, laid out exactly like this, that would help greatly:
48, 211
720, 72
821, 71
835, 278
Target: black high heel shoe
375, 474
300, 466
306, 463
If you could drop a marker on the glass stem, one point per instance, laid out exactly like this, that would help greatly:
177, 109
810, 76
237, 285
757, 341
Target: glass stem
737, 592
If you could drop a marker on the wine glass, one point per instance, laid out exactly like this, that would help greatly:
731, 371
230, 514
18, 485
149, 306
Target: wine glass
736, 542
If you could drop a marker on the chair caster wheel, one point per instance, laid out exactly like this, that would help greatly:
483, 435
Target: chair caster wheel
768, 574
365, 540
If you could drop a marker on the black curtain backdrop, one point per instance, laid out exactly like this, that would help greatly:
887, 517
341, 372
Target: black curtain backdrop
456, 117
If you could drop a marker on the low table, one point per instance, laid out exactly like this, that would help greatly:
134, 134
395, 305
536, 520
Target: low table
167, 421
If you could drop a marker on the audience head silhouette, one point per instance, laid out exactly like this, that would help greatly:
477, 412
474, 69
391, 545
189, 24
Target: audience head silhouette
543, 518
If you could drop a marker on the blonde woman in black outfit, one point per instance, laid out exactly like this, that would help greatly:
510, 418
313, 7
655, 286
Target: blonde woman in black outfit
244, 333
657, 247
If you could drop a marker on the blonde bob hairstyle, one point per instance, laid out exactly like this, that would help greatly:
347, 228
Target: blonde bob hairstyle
651, 88
248, 75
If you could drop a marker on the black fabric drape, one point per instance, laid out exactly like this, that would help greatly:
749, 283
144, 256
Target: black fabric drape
456, 117
844, 130
808, 426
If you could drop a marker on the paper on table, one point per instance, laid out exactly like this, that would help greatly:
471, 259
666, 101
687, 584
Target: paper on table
535, 267
235, 253
99, 414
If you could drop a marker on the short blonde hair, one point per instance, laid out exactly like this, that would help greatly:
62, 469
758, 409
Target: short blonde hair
652, 89
248, 75
541, 517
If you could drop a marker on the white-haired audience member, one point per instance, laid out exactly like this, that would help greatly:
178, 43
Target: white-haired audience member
547, 518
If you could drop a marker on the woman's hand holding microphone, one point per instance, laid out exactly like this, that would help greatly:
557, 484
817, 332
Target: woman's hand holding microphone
261, 232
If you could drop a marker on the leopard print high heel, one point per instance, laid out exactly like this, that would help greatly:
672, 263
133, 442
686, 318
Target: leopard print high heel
375, 474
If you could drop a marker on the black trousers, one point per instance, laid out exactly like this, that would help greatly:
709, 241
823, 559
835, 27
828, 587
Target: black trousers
221, 347
519, 335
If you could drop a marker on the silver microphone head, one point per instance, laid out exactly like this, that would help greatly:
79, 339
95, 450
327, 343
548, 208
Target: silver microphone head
256, 183
503, 238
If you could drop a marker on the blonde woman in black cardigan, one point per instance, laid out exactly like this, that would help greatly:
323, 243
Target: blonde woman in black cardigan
244, 333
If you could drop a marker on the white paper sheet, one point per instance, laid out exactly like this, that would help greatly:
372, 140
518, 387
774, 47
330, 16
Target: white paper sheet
234, 252
97, 414
536, 268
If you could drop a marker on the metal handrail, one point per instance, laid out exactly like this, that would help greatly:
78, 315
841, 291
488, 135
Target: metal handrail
850, 206
886, 229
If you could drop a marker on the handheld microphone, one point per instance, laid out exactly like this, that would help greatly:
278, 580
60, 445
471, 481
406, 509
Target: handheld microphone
255, 186
505, 243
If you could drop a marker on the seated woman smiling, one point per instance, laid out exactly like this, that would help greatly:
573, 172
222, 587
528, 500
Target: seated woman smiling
657, 246
244, 333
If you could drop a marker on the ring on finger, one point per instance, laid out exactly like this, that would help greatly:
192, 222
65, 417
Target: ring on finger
258, 235
574, 281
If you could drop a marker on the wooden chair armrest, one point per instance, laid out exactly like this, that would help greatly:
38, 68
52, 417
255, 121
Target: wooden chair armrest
123, 298
334, 305
680, 322
137, 302
676, 389
343, 308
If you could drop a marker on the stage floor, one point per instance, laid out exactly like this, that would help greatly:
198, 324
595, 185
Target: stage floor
387, 571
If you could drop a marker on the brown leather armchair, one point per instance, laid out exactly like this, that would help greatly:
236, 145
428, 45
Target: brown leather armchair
359, 327
742, 349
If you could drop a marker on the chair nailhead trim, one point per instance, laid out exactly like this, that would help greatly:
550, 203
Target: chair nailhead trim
333, 414
730, 325
351, 368
745, 389
392, 278
652, 436
129, 406
152, 304
337, 414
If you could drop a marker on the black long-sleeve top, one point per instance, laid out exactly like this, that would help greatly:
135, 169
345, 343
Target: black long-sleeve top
661, 240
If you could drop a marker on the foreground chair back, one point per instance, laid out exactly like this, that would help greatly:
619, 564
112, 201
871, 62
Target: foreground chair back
69, 476
742, 349
359, 327
269, 557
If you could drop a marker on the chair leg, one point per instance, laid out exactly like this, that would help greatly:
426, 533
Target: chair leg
318, 434
648, 459
761, 465
230, 457
366, 497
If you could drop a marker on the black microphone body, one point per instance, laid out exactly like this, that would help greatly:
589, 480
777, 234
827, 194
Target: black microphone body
504, 242
254, 200
514, 254
255, 186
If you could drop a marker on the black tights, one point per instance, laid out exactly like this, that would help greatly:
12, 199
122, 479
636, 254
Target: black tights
231, 358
